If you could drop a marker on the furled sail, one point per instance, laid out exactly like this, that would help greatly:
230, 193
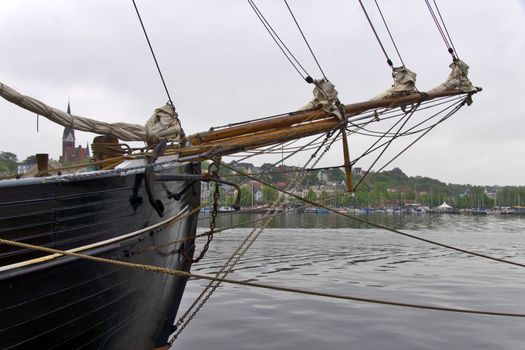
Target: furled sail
404, 84
325, 95
162, 125
458, 78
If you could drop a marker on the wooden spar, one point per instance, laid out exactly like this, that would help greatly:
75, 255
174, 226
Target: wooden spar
305, 116
256, 140
293, 126
348, 166
250, 127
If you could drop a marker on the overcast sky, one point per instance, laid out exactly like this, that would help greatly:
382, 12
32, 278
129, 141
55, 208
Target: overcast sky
221, 67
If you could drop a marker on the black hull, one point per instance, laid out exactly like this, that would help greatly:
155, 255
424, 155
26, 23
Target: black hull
69, 303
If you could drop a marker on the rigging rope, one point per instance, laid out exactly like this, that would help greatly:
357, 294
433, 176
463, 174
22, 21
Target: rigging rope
388, 60
448, 115
386, 144
453, 109
446, 30
374, 133
304, 37
390, 34
302, 148
442, 29
273, 147
411, 130
282, 46
153, 54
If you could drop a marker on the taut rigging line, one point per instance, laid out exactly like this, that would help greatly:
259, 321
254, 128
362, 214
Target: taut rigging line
442, 28
153, 54
304, 37
282, 46
406, 118
389, 33
388, 60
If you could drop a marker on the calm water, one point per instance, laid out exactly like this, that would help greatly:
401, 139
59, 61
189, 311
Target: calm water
331, 254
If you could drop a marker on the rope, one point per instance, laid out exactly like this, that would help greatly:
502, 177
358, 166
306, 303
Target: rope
184, 274
289, 171
455, 106
448, 115
83, 165
153, 53
410, 131
445, 27
282, 46
387, 144
446, 38
388, 60
273, 147
291, 154
304, 37
390, 34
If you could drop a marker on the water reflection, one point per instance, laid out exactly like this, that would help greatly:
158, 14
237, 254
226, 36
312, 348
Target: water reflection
334, 254
396, 221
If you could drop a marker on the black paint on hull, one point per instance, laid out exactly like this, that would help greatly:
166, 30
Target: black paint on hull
68, 303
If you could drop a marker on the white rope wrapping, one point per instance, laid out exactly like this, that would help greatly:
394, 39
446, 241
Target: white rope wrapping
162, 125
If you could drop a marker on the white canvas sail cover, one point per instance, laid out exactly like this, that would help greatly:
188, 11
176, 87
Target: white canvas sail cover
404, 84
325, 95
162, 125
457, 79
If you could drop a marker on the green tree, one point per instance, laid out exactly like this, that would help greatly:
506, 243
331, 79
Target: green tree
8, 163
324, 197
336, 174
311, 196
278, 176
246, 196
269, 194
29, 160
311, 179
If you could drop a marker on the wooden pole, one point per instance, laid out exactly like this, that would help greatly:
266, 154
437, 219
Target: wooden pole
348, 166
42, 163
256, 140
308, 116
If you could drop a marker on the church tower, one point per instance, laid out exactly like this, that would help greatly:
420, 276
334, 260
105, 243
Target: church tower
68, 142
70, 152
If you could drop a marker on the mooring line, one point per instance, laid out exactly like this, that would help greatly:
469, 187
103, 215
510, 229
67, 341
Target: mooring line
184, 274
